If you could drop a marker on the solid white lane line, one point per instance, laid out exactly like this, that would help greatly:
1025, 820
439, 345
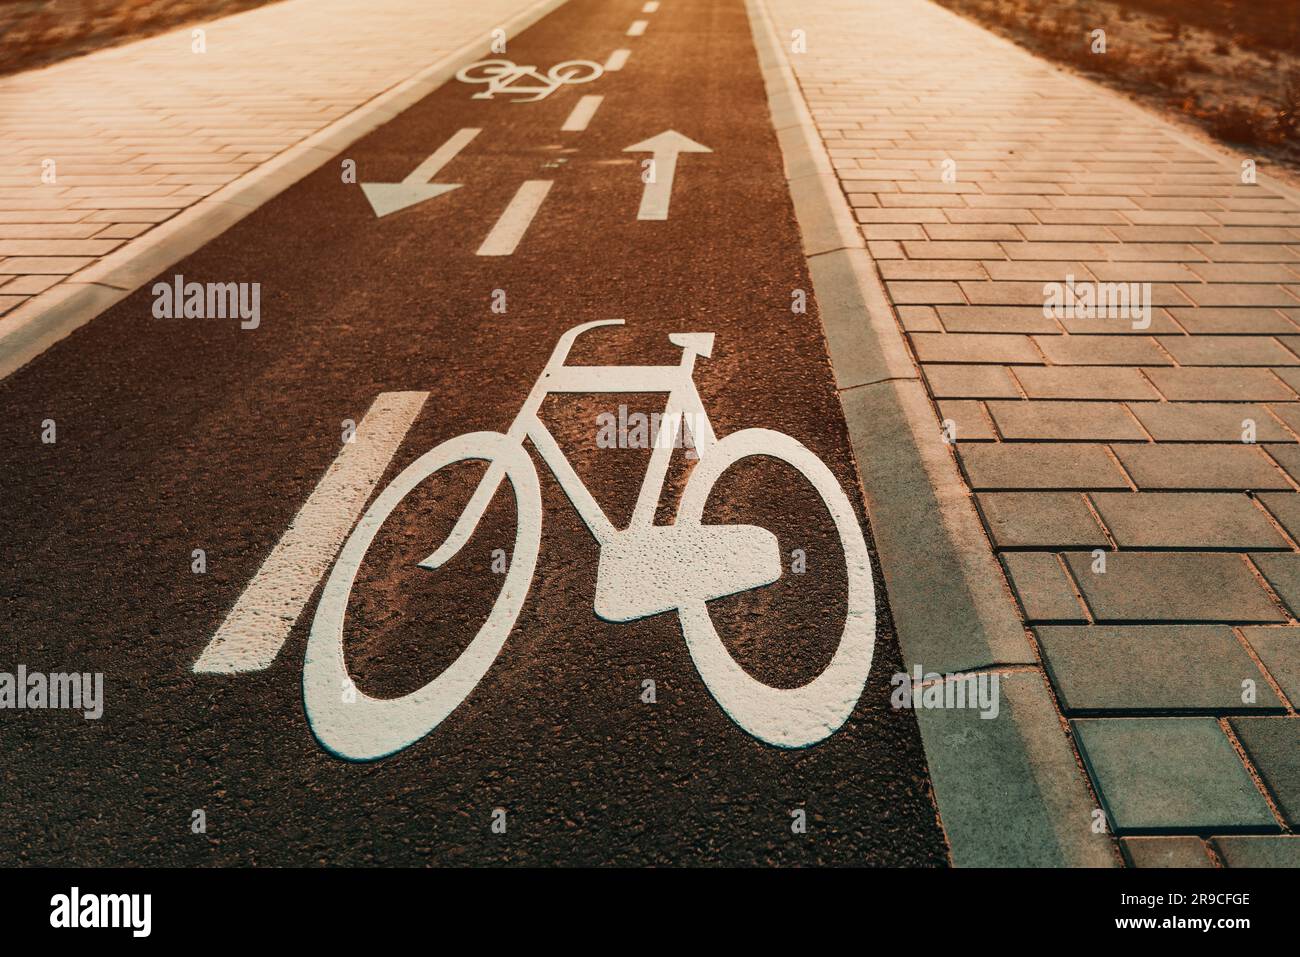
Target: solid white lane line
617, 60
258, 625
637, 28
514, 222
651, 7
582, 114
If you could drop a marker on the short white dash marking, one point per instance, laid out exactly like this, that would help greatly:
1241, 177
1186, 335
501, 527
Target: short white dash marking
582, 114
637, 28
514, 222
651, 7
617, 60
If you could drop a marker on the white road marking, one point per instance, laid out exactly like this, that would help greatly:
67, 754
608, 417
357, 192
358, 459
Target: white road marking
503, 76
637, 28
257, 627
514, 222
582, 114
416, 187
651, 7
617, 60
665, 147
644, 569
443, 155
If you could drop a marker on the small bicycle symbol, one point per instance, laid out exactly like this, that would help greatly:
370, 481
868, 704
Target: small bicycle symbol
503, 76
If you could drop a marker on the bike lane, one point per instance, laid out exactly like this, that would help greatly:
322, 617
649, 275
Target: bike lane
183, 434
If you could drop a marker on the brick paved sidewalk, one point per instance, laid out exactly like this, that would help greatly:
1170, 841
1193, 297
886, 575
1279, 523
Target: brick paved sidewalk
1138, 484
140, 132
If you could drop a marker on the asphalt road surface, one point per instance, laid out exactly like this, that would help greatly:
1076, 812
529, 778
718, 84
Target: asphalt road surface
182, 434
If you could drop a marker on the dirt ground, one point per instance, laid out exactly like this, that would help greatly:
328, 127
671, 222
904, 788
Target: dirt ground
1230, 66
36, 33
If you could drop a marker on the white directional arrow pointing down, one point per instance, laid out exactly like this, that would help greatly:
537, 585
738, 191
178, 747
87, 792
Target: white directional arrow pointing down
388, 198
658, 192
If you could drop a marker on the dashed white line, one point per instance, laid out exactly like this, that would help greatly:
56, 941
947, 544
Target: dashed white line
617, 60
514, 222
637, 28
582, 114
651, 7
257, 627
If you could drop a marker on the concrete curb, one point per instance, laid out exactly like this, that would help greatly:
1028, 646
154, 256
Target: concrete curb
53, 315
1011, 791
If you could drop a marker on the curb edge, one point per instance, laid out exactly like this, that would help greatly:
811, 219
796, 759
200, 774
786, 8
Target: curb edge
1009, 793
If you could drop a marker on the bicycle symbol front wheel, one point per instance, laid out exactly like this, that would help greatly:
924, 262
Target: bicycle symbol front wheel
575, 71
785, 717
362, 728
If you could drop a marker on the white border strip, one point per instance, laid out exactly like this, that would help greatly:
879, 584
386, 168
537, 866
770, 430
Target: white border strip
259, 624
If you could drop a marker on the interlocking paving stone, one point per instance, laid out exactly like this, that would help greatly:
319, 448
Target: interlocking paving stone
1046, 466
1126, 668
1165, 852
923, 292
1201, 384
1285, 508
1215, 321
1065, 420
969, 423
1206, 520
1161, 323
1043, 587
1288, 412
1207, 422
1104, 382
1227, 351
967, 381
1287, 456
1279, 649
1273, 746
1040, 519
995, 319
950, 347
1259, 851
1282, 570
1101, 350
1194, 466
1289, 375
1170, 775
1172, 586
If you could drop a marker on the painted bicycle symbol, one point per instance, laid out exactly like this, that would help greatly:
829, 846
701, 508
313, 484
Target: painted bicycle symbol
503, 76
644, 569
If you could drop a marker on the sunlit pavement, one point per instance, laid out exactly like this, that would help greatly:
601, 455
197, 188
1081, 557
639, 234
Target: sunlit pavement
1091, 514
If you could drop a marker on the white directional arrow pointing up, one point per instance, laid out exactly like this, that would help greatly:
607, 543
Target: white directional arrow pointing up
658, 192
388, 198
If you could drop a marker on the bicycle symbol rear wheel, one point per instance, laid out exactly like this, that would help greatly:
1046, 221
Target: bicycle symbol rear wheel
785, 717
366, 728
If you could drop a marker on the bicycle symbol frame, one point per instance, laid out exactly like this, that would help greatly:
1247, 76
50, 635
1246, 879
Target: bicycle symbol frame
504, 77
644, 569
